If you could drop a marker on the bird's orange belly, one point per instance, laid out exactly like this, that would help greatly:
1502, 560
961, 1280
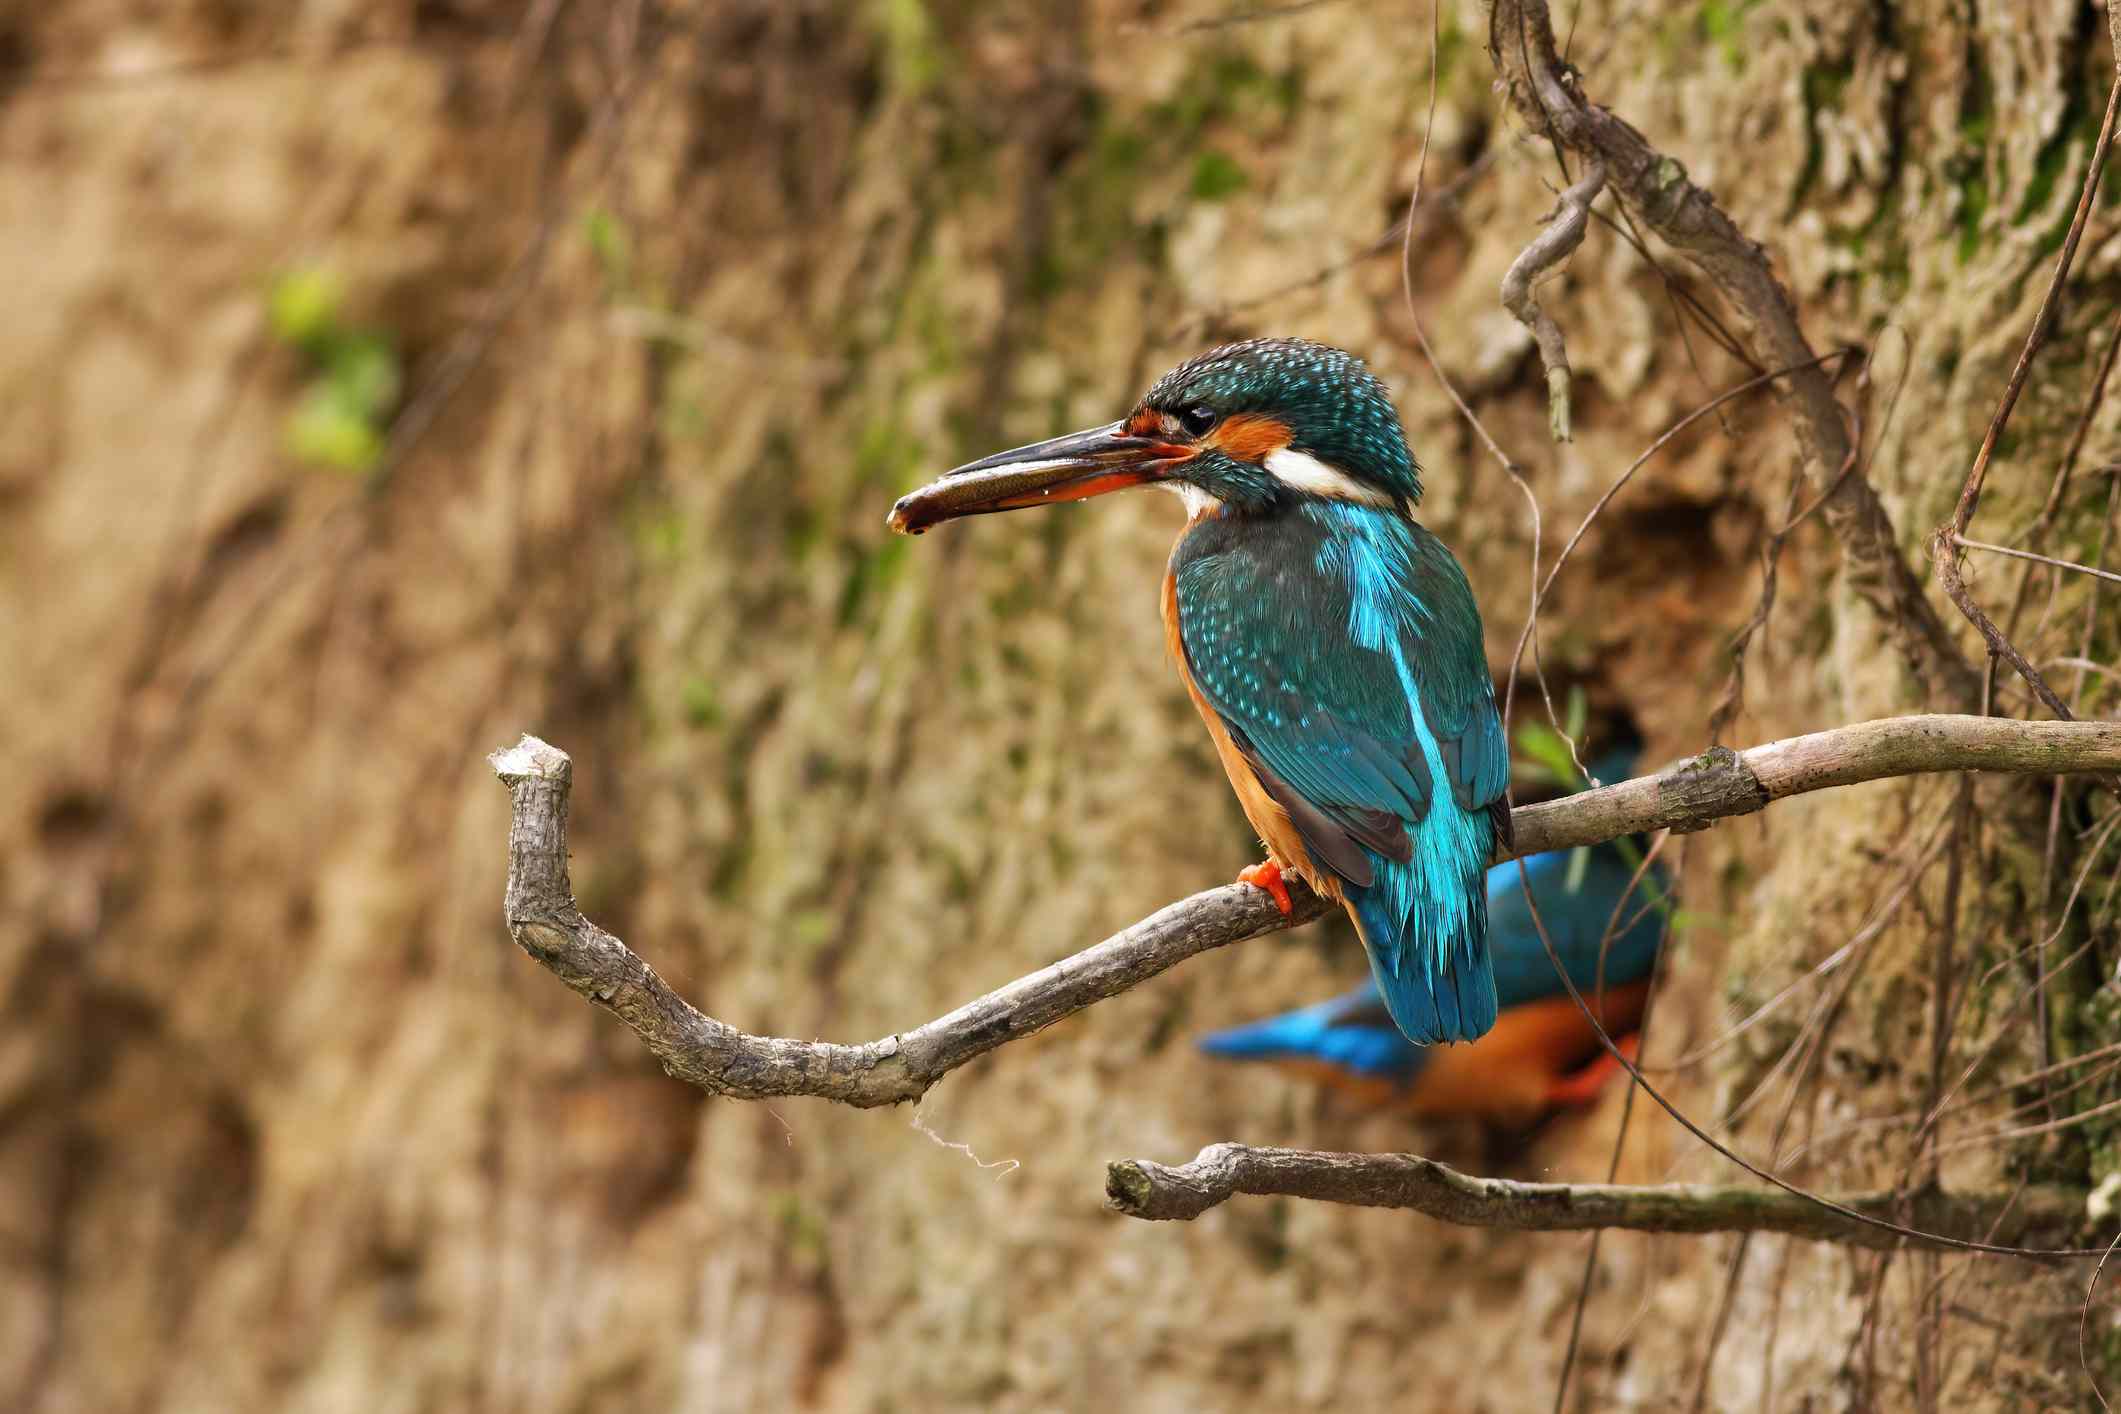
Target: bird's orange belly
1276, 831
1508, 1072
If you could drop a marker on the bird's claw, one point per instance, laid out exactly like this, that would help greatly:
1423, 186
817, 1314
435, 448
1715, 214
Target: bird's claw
1267, 876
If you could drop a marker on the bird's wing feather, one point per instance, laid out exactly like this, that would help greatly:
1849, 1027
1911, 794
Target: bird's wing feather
1440, 641
1276, 646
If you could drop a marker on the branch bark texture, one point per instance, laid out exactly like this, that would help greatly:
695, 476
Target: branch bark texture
1143, 1189
1656, 189
715, 1056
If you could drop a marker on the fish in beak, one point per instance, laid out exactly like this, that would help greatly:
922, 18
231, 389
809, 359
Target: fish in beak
1071, 468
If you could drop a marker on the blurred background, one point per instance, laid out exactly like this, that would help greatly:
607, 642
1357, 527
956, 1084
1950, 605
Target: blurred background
380, 381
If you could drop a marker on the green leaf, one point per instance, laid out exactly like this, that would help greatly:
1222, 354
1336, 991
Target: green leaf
1217, 175
324, 430
303, 308
364, 375
1550, 758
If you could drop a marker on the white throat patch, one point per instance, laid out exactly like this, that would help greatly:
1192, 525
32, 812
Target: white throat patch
1304, 472
1197, 502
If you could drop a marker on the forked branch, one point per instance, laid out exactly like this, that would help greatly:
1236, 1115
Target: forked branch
715, 1056
1655, 188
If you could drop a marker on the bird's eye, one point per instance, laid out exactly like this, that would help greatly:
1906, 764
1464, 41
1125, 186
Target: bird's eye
1197, 420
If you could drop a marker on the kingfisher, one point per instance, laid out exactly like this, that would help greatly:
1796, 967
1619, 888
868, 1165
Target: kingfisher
1330, 642
1607, 926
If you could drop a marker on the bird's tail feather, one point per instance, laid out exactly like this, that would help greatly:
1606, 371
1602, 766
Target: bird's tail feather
1430, 958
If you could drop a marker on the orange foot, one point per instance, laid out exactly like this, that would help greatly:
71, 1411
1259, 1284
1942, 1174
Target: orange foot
1583, 1087
1268, 876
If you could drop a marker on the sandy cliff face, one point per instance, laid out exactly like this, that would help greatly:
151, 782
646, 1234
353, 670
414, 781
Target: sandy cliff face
679, 298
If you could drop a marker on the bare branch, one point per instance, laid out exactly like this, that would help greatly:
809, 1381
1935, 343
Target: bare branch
1140, 1188
715, 1056
1719, 782
1544, 255
1656, 189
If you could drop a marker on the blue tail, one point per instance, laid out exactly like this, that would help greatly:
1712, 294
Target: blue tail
1351, 1031
1424, 924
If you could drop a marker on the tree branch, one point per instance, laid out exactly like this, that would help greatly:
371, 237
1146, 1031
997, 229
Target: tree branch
1140, 1188
1542, 257
1697, 792
715, 1056
1656, 189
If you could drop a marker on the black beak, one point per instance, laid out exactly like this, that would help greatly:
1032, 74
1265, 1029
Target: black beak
1070, 468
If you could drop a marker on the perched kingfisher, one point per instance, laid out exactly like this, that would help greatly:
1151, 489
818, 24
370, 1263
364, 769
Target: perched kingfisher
1330, 642
1542, 1053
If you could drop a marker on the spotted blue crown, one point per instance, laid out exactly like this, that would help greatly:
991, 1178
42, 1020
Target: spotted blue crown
1336, 409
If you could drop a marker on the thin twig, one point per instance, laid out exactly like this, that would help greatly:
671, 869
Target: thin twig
1732, 702
1406, 285
1650, 1013
1543, 256
2086, 665
1807, 1052
2084, 1321
1665, 437
2049, 560
1946, 541
1901, 1228
1541, 586
2043, 322
1655, 188
2085, 418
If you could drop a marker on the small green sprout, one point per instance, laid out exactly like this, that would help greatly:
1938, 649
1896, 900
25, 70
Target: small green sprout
342, 416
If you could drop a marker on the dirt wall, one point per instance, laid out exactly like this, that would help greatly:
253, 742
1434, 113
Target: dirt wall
617, 328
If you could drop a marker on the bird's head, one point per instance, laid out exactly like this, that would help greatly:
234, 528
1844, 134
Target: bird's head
1252, 426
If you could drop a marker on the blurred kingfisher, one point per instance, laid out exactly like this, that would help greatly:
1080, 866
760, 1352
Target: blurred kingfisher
1330, 642
1542, 1053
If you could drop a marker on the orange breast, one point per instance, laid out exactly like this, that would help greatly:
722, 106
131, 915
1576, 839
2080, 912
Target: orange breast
1272, 822
1505, 1075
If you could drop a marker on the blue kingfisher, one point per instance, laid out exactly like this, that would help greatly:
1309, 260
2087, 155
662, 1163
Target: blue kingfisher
1330, 642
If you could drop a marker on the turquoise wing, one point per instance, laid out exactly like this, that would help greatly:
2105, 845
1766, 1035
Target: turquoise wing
1352, 678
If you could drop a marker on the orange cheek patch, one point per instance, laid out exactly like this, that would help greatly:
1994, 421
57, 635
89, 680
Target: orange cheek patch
1249, 436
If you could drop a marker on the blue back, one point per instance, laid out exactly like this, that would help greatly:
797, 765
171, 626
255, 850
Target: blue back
1341, 649
1576, 919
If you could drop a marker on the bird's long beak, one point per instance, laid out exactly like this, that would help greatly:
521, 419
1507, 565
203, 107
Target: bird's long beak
1070, 468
